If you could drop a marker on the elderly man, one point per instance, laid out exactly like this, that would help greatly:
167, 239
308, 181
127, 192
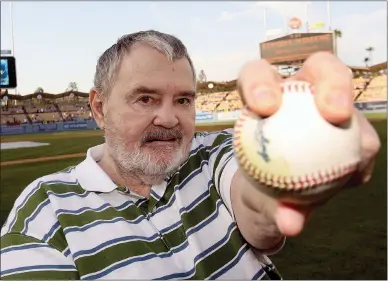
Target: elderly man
157, 200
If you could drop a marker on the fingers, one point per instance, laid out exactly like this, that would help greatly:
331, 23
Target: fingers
291, 220
370, 141
259, 87
370, 146
333, 86
367, 172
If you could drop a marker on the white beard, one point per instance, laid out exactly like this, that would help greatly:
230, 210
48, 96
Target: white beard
144, 162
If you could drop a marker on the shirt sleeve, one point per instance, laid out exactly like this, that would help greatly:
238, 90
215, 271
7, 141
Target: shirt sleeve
27, 251
223, 166
222, 163
25, 257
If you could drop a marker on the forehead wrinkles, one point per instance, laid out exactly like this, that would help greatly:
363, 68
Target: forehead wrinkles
156, 74
134, 73
160, 85
126, 71
148, 68
171, 87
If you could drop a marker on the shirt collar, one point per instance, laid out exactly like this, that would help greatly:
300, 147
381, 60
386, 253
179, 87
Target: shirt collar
90, 175
93, 178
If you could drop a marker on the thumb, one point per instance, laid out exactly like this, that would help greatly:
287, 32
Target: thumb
290, 220
259, 87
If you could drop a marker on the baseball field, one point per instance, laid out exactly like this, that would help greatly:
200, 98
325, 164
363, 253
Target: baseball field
346, 239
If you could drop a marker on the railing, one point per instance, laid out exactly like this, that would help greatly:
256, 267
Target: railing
26, 114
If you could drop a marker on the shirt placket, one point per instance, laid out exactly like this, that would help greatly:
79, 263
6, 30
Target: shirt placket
146, 209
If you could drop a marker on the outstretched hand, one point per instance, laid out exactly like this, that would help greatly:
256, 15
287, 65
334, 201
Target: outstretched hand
259, 87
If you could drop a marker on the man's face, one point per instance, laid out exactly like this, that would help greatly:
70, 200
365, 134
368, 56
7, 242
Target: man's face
150, 113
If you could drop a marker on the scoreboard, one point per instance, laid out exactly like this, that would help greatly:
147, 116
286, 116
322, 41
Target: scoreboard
296, 47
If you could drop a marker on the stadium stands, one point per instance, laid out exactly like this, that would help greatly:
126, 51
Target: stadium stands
376, 90
44, 108
73, 106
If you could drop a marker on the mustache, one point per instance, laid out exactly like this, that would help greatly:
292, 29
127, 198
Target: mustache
159, 133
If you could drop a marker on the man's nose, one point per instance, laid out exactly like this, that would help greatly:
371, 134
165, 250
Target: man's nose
166, 116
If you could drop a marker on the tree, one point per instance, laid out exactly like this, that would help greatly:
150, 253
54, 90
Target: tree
39, 90
370, 50
72, 87
366, 61
202, 76
337, 35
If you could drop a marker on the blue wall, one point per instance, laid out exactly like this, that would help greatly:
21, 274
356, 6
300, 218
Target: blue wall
77, 125
91, 124
53, 127
374, 106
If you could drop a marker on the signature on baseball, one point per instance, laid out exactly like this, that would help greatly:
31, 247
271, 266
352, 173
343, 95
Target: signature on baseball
263, 141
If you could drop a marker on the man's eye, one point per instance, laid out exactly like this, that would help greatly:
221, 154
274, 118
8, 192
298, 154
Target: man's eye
184, 101
145, 99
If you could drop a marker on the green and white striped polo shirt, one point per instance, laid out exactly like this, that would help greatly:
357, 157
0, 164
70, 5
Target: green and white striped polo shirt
77, 224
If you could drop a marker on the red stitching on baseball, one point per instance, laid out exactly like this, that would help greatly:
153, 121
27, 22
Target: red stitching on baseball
289, 183
298, 86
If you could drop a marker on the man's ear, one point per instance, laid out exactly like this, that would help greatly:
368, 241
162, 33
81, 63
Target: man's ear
96, 106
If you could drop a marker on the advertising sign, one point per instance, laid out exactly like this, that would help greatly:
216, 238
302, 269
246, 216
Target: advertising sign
36, 128
11, 130
295, 23
226, 116
318, 25
49, 127
4, 74
75, 126
204, 116
296, 47
7, 73
376, 106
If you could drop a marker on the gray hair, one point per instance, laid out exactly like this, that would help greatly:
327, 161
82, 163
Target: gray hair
109, 62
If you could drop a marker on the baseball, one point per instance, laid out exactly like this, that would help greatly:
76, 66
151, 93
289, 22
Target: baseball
295, 155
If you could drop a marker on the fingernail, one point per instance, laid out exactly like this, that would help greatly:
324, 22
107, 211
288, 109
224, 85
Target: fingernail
366, 178
339, 100
263, 95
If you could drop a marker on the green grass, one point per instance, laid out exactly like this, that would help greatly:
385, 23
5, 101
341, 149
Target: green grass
58, 146
345, 239
221, 123
377, 115
65, 134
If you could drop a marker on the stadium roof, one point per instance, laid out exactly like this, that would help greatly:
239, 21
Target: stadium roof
373, 68
296, 35
202, 87
43, 95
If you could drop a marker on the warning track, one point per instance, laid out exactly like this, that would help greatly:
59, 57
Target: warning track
42, 159
45, 137
49, 137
